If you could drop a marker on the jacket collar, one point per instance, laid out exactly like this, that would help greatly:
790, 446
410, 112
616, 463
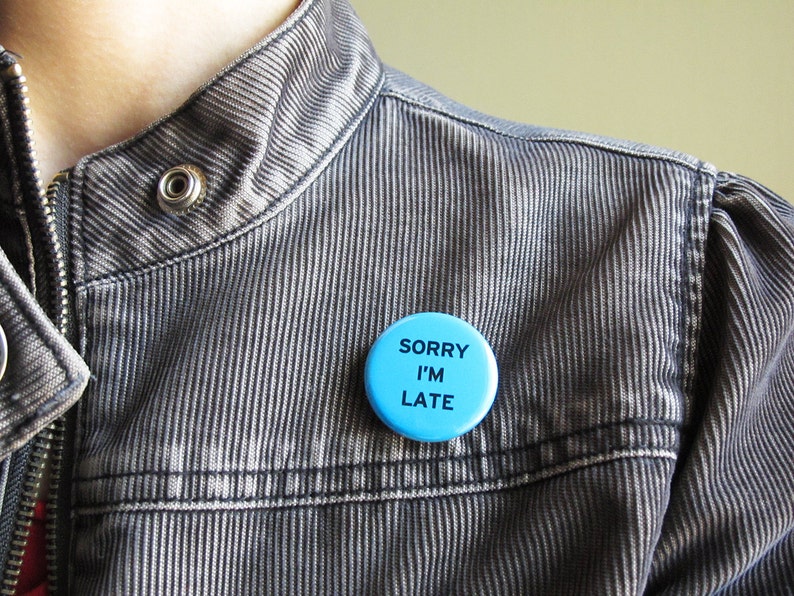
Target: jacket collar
260, 131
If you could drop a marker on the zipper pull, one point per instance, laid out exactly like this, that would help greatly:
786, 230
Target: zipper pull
9, 68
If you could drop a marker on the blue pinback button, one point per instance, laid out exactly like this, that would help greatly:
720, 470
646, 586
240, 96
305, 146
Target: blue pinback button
431, 377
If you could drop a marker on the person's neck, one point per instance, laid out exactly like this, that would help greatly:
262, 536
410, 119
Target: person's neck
100, 71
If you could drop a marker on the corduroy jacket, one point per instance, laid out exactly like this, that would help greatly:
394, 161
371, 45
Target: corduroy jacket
193, 378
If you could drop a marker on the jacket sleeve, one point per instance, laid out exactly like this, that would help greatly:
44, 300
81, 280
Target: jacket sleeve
730, 518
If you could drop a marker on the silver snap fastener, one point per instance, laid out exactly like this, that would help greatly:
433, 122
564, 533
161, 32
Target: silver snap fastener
181, 188
3, 352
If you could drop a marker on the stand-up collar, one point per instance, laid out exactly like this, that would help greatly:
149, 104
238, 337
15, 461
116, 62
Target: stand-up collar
259, 131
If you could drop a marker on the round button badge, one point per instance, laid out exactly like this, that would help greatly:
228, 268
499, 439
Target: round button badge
431, 377
3, 352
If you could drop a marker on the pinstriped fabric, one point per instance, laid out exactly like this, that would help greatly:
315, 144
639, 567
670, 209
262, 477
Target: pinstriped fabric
733, 497
256, 143
641, 435
484, 543
44, 373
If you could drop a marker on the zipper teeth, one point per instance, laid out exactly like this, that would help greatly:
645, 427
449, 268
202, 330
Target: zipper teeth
16, 83
48, 445
59, 291
57, 429
31, 484
20, 115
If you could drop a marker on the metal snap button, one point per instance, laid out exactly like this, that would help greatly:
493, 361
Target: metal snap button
3, 352
181, 188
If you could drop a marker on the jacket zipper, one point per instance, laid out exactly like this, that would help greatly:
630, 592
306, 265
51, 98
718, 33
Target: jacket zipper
52, 293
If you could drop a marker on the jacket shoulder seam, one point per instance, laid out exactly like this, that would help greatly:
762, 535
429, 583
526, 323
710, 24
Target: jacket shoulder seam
550, 135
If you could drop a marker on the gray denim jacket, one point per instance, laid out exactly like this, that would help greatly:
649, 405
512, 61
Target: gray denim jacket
640, 306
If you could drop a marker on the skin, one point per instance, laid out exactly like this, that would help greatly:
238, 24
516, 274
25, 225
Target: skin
99, 71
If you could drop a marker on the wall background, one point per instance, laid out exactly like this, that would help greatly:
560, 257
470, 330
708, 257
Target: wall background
715, 79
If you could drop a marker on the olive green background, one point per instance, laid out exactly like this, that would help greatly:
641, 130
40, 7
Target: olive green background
715, 79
